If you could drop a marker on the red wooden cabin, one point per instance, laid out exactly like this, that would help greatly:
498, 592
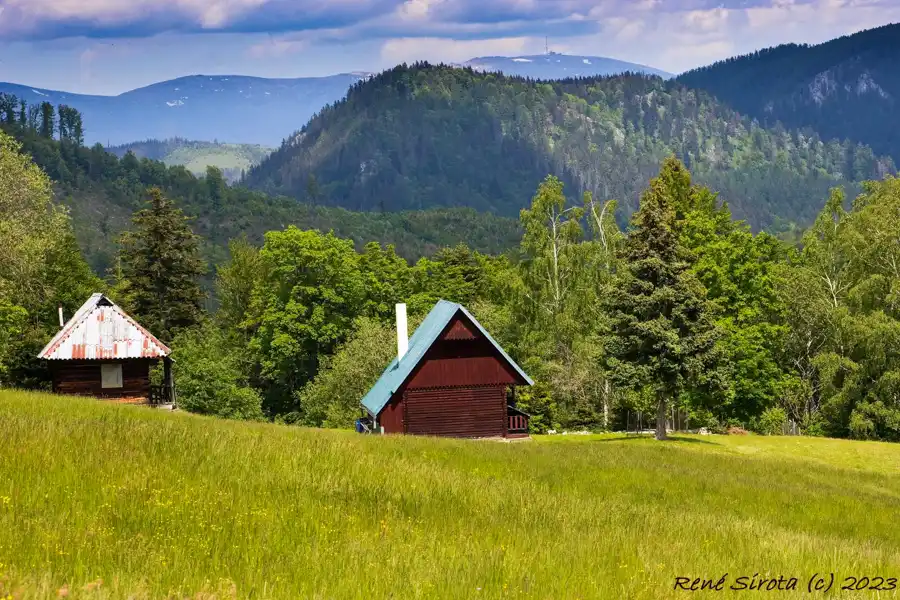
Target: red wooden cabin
103, 352
451, 379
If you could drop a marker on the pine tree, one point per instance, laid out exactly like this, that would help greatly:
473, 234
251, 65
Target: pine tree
161, 266
662, 330
48, 124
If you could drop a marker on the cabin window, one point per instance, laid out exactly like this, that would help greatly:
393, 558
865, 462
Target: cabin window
111, 376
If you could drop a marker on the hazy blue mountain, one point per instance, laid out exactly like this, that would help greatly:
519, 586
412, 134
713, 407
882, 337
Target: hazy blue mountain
559, 66
240, 109
256, 110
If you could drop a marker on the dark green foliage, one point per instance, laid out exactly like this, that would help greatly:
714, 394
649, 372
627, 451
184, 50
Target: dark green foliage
161, 268
102, 191
662, 329
434, 136
210, 378
845, 89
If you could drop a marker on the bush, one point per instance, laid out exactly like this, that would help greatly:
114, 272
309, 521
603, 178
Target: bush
208, 377
332, 398
771, 421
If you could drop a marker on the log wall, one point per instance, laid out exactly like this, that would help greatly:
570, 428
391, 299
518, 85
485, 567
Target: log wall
82, 378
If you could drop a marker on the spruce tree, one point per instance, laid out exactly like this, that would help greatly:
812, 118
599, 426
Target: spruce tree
161, 268
662, 329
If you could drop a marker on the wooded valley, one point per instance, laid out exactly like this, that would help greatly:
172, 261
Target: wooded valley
682, 307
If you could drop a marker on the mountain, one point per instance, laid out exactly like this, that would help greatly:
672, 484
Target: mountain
237, 109
435, 136
196, 156
101, 192
848, 88
256, 110
559, 66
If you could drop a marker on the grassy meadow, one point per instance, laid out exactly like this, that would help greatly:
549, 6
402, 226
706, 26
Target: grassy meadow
106, 501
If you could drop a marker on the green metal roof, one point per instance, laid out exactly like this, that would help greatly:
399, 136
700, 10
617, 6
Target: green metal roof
425, 335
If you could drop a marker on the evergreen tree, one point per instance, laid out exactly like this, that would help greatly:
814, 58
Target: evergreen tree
663, 334
47, 120
161, 267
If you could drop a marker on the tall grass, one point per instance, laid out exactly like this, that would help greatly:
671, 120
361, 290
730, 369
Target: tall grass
107, 501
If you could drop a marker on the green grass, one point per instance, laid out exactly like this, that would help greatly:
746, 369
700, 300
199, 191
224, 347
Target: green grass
157, 504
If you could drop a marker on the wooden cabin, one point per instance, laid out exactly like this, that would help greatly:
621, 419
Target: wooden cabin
103, 352
451, 378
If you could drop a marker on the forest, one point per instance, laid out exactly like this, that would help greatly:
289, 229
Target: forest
845, 89
101, 192
419, 136
684, 307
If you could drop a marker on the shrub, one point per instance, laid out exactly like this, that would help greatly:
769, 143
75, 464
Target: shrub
771, 421
209, 379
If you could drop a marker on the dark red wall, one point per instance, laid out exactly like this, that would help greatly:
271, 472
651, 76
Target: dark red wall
456, 412
82, 378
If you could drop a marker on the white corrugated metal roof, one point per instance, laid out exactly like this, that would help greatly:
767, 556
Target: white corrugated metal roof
102, 330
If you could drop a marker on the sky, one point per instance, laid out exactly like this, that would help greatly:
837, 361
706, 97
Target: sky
111, 46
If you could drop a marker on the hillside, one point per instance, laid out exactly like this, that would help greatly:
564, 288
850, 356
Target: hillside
236, 109
232, 159
847, 88
102, 191
256, 110
554, 65
92, 493
424, 136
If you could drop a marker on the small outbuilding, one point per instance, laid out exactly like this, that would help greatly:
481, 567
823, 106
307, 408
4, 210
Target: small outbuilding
451, 378
103, 352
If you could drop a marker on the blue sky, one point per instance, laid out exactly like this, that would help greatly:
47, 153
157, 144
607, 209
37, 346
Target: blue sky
110, 46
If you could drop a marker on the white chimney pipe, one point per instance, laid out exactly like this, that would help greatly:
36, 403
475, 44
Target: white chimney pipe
402, 336
61, 321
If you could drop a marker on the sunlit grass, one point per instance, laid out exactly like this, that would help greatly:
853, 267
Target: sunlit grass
149, 504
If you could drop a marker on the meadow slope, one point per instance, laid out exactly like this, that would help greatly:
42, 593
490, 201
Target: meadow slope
105, 501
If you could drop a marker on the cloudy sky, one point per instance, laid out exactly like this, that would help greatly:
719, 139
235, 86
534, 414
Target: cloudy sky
110, 46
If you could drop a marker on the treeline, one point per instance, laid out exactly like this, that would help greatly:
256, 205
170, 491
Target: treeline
686, 308
102, 191
424, 135
43, 119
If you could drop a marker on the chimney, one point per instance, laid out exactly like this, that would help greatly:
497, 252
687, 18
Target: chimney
61, 321
402, 337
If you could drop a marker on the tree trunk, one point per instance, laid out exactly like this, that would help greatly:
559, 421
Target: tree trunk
661, 418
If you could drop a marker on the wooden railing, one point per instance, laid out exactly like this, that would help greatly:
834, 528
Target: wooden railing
159, 394
517, 421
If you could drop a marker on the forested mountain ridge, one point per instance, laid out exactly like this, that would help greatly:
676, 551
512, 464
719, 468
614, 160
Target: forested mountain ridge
102, 191
847, 88
423, 136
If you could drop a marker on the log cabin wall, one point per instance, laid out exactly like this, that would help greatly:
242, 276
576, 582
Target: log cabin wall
83, 378
457, 412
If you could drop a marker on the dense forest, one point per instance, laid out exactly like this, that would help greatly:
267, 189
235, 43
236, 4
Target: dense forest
843, 89
684, 309
102, 191
425, 136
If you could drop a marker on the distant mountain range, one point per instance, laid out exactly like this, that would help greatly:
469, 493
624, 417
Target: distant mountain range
559, 66
848, 88
239, 109
255, 110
